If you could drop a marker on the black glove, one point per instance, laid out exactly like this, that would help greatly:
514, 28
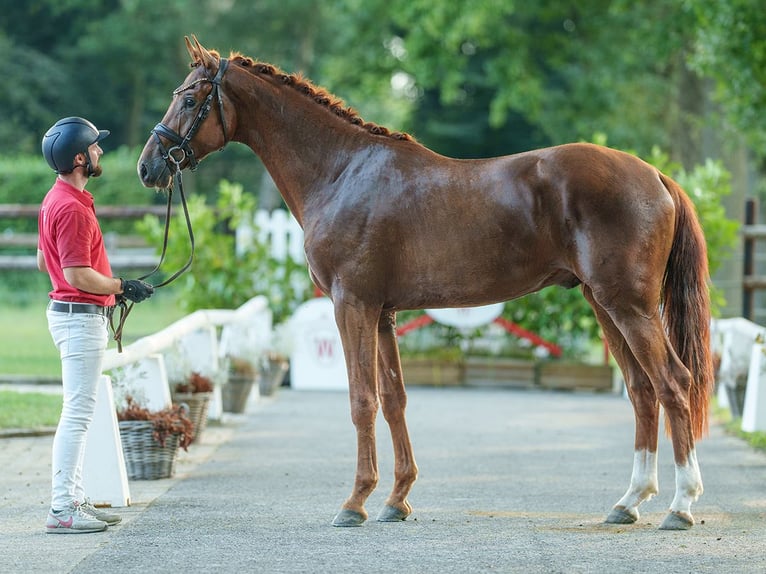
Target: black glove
136, 290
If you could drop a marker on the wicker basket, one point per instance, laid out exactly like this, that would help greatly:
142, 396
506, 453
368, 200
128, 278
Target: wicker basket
273, 375
197, 403
145, 458
235, 392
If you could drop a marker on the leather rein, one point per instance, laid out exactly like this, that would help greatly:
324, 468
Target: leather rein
174, 157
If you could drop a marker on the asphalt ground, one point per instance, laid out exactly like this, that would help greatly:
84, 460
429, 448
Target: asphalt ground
510, 481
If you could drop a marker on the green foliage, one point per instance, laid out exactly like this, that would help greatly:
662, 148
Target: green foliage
538, 73
23, 287
28, 98
222, 277
561, 316
733, 426
730, 47
26, 178
706, 184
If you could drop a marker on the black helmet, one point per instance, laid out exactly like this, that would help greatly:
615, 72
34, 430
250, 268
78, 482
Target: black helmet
66, 138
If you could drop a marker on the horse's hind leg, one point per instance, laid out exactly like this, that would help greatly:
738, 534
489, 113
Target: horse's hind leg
645, 335
643, 480
394, 401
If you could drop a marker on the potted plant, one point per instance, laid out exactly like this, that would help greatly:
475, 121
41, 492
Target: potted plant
151, 439
276, 364
274, 369
195, 392
243, 374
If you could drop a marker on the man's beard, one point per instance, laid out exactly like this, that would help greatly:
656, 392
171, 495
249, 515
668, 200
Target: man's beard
96, 171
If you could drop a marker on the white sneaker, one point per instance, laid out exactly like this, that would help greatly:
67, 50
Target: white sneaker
100, 514
72, 520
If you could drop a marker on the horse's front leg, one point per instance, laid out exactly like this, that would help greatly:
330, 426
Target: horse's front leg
357, 326
394, 402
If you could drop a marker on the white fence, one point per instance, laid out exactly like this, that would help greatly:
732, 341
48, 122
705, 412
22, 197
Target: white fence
741, 346
279, 229
203, 338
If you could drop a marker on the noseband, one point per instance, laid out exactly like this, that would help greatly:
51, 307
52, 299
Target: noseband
181, 148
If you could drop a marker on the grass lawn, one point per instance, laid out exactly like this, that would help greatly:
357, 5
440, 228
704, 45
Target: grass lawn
26, 347
29, 410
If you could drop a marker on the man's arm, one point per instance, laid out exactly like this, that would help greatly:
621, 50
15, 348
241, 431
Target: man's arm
91, 281
41, 262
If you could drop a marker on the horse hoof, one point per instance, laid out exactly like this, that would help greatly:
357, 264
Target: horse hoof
348, 517
621, 516
677, 521
391, 514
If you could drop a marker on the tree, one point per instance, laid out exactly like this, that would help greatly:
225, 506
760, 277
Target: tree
730, 48
33, 86
546, 72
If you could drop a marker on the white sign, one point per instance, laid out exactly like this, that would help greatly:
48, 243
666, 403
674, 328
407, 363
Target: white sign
467, 317
317, 361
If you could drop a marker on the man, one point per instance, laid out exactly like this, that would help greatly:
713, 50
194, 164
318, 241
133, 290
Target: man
71, 250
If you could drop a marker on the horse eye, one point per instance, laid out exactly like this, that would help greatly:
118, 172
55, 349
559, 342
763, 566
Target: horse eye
189, 102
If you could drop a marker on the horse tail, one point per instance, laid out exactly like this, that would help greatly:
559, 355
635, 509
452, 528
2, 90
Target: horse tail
686, 304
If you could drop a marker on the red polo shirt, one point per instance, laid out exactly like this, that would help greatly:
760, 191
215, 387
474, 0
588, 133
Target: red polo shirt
70, 236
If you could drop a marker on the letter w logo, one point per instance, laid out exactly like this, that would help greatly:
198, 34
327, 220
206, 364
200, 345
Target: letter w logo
325, 349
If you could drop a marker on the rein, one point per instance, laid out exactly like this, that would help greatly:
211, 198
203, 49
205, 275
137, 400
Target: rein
173, 157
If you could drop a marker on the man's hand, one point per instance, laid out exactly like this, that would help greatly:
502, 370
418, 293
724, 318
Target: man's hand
136, 290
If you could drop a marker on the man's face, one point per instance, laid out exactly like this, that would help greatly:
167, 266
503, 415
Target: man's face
95, 153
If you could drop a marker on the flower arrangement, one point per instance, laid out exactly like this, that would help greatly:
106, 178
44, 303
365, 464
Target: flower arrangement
241, 367
195, 383
166, 422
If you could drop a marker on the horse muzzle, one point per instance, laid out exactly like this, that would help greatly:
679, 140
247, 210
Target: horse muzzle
154, 172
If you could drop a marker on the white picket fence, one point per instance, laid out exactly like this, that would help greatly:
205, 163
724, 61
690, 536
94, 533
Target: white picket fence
277, 228
203, 338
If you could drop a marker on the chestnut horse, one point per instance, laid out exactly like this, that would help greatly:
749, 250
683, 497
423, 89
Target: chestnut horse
391, 225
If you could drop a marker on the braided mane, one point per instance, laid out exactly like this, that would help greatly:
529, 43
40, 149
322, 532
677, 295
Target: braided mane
318, 95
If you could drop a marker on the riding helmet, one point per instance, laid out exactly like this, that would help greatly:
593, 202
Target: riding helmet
66, 138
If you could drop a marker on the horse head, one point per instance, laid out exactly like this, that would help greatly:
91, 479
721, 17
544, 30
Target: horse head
183, 137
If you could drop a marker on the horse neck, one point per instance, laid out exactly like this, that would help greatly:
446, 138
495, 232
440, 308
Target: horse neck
300, 142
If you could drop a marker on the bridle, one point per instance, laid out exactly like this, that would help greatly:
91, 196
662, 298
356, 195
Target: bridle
181, 146
174, 157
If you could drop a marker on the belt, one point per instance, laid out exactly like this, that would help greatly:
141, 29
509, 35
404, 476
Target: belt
67, 307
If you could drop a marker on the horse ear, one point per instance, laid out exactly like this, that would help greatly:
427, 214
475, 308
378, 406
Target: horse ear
198, 53
190, 48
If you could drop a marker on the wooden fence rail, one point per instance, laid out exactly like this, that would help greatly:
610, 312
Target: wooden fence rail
125, 251
277, 228
752, 232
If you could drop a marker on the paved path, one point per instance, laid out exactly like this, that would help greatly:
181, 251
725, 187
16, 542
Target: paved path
510, 481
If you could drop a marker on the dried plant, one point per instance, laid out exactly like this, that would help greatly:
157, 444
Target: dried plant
167, 422
196, 383
241, 367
